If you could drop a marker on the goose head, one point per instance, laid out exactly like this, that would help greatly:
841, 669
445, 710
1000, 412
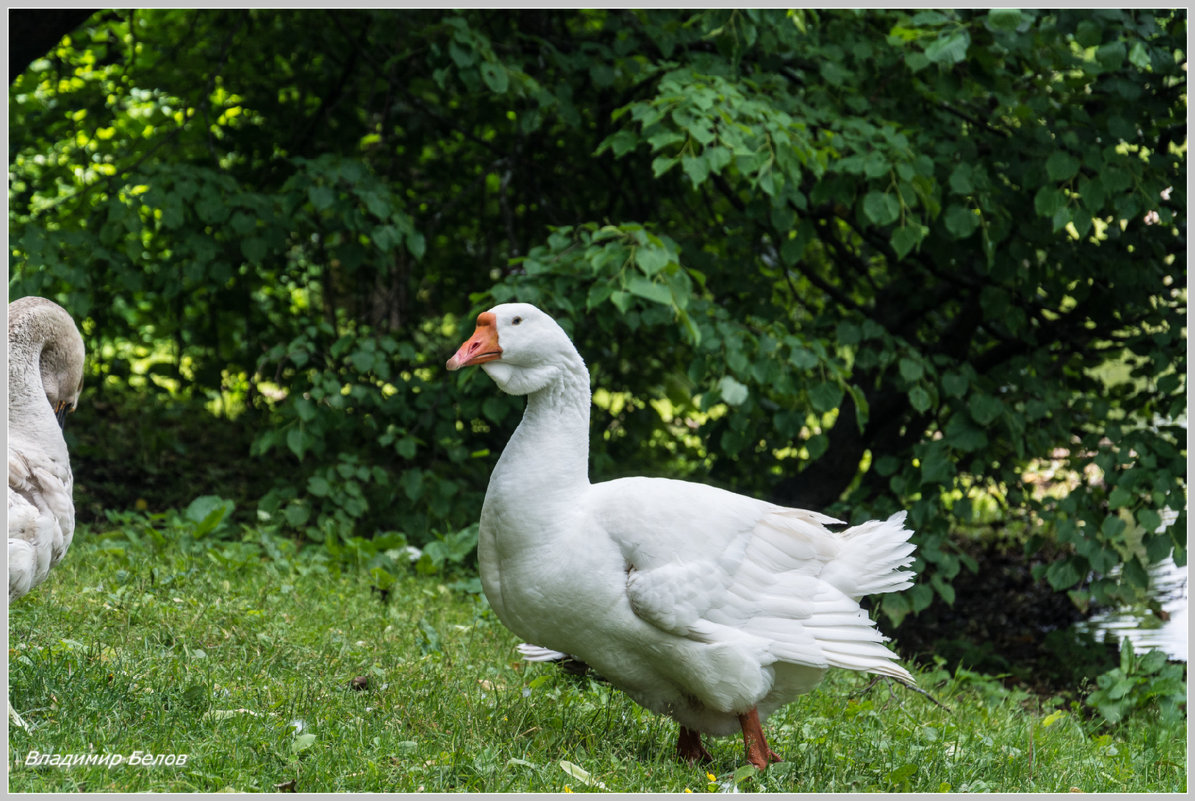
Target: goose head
45, 348
518, 346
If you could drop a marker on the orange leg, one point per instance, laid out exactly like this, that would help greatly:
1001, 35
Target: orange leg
689, 747
758, 753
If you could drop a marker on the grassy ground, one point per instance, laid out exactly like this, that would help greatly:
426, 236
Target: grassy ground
241, 656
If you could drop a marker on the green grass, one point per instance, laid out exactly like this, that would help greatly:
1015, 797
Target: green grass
240, 656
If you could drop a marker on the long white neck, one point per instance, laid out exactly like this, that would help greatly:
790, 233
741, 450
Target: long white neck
549, 451
31, 423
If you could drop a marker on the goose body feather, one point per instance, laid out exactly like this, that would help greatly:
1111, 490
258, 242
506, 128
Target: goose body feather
45, 375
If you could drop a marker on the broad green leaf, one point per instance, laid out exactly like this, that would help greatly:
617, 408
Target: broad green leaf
985, 408
954, 384
1062, 575
906, 237
321, 197
961, 222
949, 48
1138, 56
936, 467
621, 300
960, 179
920, 399
646, 288
1061, 166
1004, 19
495, 77
848, 333
825, 396
661, 165
651, 260
697, 168
302, 743
1119, 497
732, 391
881, 208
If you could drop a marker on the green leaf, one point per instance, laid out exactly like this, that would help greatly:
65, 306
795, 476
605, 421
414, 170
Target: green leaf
697, 168
494, 408
743, 772
652, 259
960, 180
1110, 56
954, 384
936, 467
949, 48
645, 288
1062, 575
297, 441
411, 483
1088, 33
732, 391
1061, 166
962, 435
416, 244
1149, 520
920, 399
1004, 19
621, 143
825, 396
621, 300
464, 57
961, 222
906, 237
1047, 201
661, 165
1139, 57
985, 408
321, 197
1119, 497
302, 743
407, 447
881, 208
920, 597
495, 77
943, 587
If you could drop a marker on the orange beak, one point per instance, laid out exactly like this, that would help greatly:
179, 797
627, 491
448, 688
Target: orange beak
480, 348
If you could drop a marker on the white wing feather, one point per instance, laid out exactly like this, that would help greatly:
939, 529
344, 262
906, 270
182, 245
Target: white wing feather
781, 578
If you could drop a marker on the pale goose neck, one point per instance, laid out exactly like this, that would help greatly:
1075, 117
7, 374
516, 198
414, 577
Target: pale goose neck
45, 356
549, 451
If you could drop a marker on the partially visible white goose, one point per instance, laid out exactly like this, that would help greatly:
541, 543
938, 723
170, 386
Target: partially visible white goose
45, 377
710, 607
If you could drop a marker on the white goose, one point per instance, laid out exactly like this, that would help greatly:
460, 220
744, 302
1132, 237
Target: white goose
710, 607
45, 377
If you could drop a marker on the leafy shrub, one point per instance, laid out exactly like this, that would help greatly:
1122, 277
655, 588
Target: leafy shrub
1140, 683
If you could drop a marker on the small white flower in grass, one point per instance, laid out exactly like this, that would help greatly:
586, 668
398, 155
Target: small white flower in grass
297, 725
1165, 193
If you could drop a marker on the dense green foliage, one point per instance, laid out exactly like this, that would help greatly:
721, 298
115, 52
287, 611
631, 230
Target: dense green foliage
856, 261
242, 660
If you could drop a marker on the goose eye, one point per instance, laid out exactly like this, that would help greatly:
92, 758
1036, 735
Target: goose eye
516, 321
